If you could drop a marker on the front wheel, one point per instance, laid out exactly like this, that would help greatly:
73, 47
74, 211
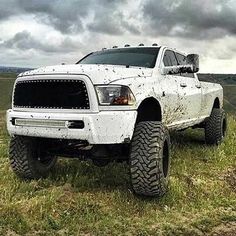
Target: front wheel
28, 158
216, 127
150, 159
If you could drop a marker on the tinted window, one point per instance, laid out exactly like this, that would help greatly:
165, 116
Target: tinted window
169, 58
181, 59
141, 57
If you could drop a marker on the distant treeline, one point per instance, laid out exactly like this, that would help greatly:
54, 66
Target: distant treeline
16, 70
224, 79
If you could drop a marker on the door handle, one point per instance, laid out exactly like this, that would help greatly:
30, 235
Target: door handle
183, 85
198, 86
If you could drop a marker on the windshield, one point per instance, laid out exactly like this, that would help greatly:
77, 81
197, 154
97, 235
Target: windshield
141, 57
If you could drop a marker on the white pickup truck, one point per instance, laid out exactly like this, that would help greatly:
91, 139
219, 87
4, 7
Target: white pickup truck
114, 104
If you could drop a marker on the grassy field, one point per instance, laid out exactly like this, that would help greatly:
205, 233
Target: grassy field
230, 98
6, 85
5, 93
81, 199
230, 94
8, 75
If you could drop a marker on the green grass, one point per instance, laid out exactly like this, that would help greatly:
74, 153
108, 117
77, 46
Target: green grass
5, 93
6, 85
9, 75
230, 94
81, 199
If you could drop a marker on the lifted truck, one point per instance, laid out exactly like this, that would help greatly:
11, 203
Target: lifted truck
114, 104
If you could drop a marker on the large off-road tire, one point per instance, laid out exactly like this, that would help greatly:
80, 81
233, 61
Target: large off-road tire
216, 126
150, 159
28, 158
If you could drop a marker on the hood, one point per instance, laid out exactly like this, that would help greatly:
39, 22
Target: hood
99, 74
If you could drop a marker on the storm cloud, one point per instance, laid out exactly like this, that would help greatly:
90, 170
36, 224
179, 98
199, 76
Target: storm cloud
70, 29
25, 41
65, 16
184, 18
70, 16
193, 19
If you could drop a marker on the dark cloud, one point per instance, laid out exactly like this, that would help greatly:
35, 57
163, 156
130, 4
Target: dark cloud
109, 19
65, 16
194, 19
106, 24
184, 18
111, 23
70, 16
7, 9
25, 41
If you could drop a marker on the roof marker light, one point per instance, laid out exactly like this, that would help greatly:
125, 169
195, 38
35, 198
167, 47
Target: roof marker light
141, 45
155, 44
127, 45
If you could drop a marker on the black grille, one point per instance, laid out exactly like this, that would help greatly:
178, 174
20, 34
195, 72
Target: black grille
51, 94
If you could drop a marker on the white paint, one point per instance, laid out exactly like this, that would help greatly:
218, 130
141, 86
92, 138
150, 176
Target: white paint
182, 106
104, 127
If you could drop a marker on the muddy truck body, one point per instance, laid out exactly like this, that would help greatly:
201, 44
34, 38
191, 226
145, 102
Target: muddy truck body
114, 104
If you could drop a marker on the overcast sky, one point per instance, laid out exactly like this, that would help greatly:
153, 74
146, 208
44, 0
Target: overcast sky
36, 33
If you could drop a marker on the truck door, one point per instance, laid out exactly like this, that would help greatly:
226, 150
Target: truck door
169, 91
189, 89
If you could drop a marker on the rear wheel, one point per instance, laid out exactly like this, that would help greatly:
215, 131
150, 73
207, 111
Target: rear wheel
150, 159
216, 127
28, 158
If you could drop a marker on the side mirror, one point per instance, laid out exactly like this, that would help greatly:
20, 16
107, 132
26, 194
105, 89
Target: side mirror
193, 59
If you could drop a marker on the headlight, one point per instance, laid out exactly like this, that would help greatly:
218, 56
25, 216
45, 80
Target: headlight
115, 95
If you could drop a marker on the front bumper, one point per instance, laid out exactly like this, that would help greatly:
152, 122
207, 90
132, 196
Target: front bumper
104, 127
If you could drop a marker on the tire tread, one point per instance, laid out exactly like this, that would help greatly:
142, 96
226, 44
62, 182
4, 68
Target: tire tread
147, 176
